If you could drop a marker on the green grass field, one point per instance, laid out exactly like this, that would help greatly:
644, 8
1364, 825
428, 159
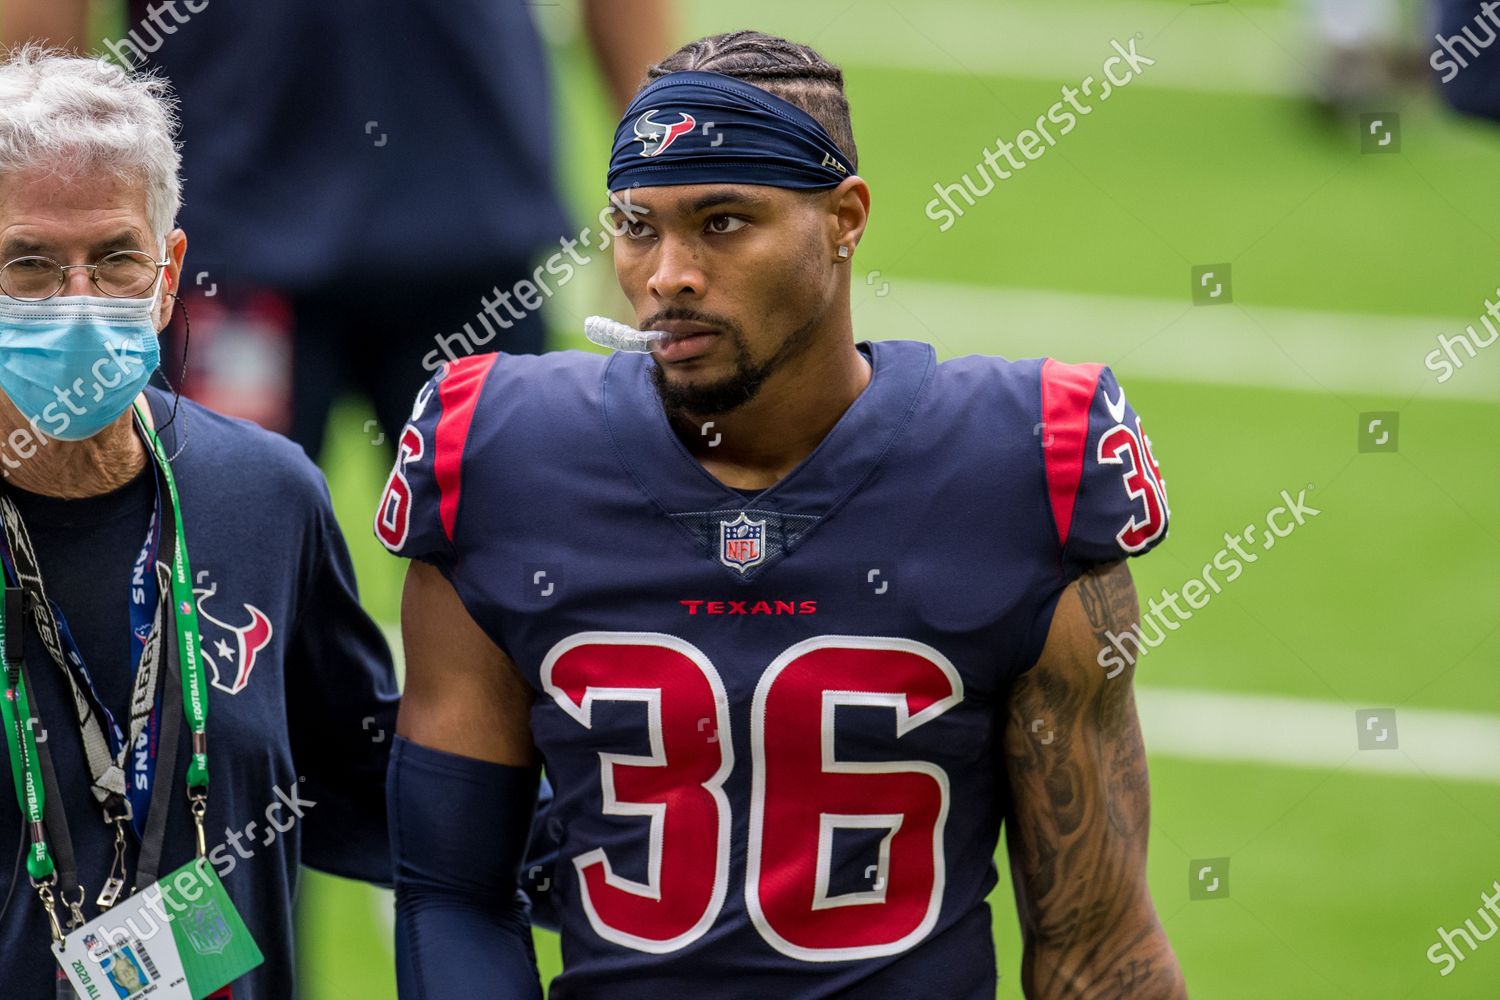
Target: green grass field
1389, 598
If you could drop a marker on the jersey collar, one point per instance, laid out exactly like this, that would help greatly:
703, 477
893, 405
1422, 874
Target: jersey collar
679, 486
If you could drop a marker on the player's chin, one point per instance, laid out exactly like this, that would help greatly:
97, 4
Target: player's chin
688, 380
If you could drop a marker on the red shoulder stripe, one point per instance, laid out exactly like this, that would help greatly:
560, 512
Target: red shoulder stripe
1067, 395
459, 394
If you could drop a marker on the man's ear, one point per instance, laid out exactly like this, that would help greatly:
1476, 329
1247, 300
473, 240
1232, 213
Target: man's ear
171, 277
850, 205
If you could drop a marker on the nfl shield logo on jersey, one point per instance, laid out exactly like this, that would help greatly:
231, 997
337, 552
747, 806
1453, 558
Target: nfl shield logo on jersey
741, 542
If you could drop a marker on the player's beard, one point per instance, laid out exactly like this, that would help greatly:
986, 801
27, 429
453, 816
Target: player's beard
735, 390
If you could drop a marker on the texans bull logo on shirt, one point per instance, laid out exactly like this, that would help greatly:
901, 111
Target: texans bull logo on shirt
229, 650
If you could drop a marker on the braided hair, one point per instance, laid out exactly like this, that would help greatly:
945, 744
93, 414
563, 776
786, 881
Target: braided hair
793, 72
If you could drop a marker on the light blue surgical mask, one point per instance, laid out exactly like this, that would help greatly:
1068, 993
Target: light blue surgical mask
72, 364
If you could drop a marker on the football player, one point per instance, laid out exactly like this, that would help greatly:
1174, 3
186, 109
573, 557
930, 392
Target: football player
794, 622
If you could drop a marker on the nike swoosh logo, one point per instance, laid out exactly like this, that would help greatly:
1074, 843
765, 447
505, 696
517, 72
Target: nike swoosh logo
1116, 407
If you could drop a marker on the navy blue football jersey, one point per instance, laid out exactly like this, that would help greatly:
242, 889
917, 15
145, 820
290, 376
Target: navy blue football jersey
772, 722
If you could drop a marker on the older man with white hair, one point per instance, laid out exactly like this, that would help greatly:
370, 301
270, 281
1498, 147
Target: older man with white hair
234, 706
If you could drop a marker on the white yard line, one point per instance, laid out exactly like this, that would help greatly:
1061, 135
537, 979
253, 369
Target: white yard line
1299, 732
1213, 47
1170, 339
1283, 732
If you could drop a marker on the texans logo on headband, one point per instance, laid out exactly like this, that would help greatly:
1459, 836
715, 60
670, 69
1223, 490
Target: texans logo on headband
776, 143
656, 136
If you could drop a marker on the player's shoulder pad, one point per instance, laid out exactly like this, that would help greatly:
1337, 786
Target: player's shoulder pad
475, 423
1105, 489
419, 507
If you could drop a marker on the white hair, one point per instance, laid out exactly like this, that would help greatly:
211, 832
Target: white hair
67, 114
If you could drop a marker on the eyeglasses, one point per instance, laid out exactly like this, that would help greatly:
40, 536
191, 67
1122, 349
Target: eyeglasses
124, 274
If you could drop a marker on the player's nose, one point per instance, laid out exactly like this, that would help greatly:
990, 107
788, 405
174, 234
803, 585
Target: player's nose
677, 271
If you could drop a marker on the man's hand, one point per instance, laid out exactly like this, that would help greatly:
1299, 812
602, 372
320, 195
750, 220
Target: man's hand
1080, 809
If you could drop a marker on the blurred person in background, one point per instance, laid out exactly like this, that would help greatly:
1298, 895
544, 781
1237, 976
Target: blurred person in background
276, 755
361, 177
1365, 54
1356, 42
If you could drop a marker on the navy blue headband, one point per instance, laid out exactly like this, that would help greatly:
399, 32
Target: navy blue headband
707, 128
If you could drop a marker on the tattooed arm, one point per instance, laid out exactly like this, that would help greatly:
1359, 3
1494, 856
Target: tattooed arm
1079, 811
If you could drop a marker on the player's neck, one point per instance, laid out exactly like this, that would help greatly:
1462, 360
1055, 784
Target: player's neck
68, 469
760, 442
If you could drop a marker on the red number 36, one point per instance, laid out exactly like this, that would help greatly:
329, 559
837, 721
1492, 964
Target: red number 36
801, 792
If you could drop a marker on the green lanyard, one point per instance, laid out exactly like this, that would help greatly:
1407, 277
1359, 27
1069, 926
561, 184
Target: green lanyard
23, 765
16, 708
185, 610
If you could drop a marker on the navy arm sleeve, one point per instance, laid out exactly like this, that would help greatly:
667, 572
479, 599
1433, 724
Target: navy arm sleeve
341, 712
459, 829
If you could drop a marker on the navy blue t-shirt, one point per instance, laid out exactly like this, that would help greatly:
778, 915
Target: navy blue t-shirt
104, 533
302, 694
384, 139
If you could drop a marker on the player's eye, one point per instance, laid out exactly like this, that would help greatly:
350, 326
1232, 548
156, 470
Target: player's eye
721, 224
633, 229
636, 230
